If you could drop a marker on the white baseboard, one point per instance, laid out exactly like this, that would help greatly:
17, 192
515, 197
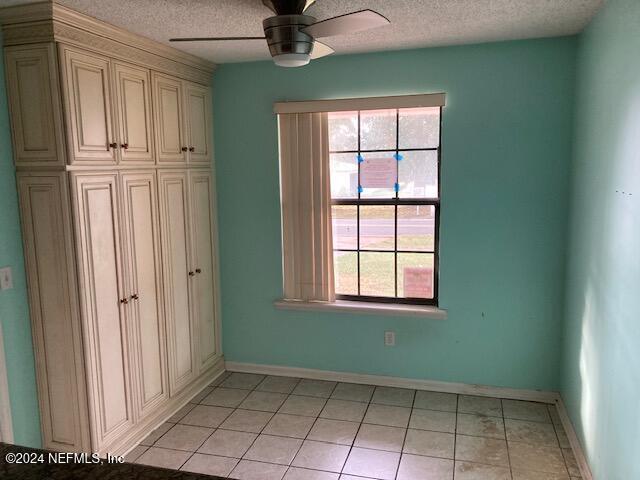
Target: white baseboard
6, 426
576, 446
384, 381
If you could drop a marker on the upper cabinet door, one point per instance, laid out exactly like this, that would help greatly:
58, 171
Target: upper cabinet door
133, 107
103, 306
144, 288
88, 102
204, 260
198, 118
170, 135
34, 101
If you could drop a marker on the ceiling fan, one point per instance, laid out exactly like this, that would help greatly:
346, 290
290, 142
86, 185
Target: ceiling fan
291, 35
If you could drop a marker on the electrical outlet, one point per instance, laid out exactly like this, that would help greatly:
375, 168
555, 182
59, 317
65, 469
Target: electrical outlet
390, 339
6, 279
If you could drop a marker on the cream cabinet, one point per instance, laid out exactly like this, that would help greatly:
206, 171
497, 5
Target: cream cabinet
114, 112
104, 305
56, 322
143, 289
113, 152
204, 265
34, 104
197, 107
168, 109
87, 94
132, 90
121, 285
187, 212
177, 261
183, 119
108, 106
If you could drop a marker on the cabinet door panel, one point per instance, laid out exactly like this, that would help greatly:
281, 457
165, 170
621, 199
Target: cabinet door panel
201, 190
133, 103
104, 317
174, 226
167, 97
88, 98
34, 102
198, 114
144, 281
53, 308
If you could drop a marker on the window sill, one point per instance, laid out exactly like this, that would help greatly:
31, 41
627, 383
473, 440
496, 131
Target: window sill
424, 311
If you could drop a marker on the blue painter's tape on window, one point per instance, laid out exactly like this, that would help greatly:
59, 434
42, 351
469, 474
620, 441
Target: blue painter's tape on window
397, 156
360, 159
359, 188
396, 187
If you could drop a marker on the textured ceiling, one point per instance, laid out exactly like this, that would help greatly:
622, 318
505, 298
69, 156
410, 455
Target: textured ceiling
414, 23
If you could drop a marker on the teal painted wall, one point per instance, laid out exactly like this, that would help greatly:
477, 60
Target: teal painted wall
14, 311
507, 132
601, 375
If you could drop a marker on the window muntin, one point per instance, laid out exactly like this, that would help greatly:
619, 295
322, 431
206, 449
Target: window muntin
385, 239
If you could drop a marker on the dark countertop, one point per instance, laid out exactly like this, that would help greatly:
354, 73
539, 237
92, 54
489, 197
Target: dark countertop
43, 469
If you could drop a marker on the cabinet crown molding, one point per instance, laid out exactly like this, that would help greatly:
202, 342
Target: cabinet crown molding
50, 21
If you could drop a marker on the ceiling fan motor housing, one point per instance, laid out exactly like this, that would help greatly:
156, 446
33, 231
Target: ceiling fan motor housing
284, 36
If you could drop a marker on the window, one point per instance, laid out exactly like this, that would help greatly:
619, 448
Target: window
360, 198
385, 204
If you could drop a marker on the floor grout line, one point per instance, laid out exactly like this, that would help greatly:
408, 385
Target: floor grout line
406, 432
455, 438
258, 433
506, 440
555, 429
355, 437
308, 432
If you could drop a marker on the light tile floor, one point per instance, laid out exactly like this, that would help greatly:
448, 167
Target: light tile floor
259, 427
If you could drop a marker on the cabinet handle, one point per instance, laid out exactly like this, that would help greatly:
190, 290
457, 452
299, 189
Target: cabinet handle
124, 300
191, 274
184, 149
125, 145
198, 270
134, 296
192, 149
113, 145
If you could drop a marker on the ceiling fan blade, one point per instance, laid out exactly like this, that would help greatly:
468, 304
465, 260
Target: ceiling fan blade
320, 50
308, 4
348, 23
212, 39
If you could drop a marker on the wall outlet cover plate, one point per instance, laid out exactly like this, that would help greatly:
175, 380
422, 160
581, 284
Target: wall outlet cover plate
390, 339
6, 279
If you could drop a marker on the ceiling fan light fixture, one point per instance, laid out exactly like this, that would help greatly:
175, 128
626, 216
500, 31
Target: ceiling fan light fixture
292, 59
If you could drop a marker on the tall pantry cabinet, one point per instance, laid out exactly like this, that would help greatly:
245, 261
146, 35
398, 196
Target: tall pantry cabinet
112, 145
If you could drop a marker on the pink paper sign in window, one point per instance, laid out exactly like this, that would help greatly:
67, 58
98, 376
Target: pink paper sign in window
378, 173
418, 282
